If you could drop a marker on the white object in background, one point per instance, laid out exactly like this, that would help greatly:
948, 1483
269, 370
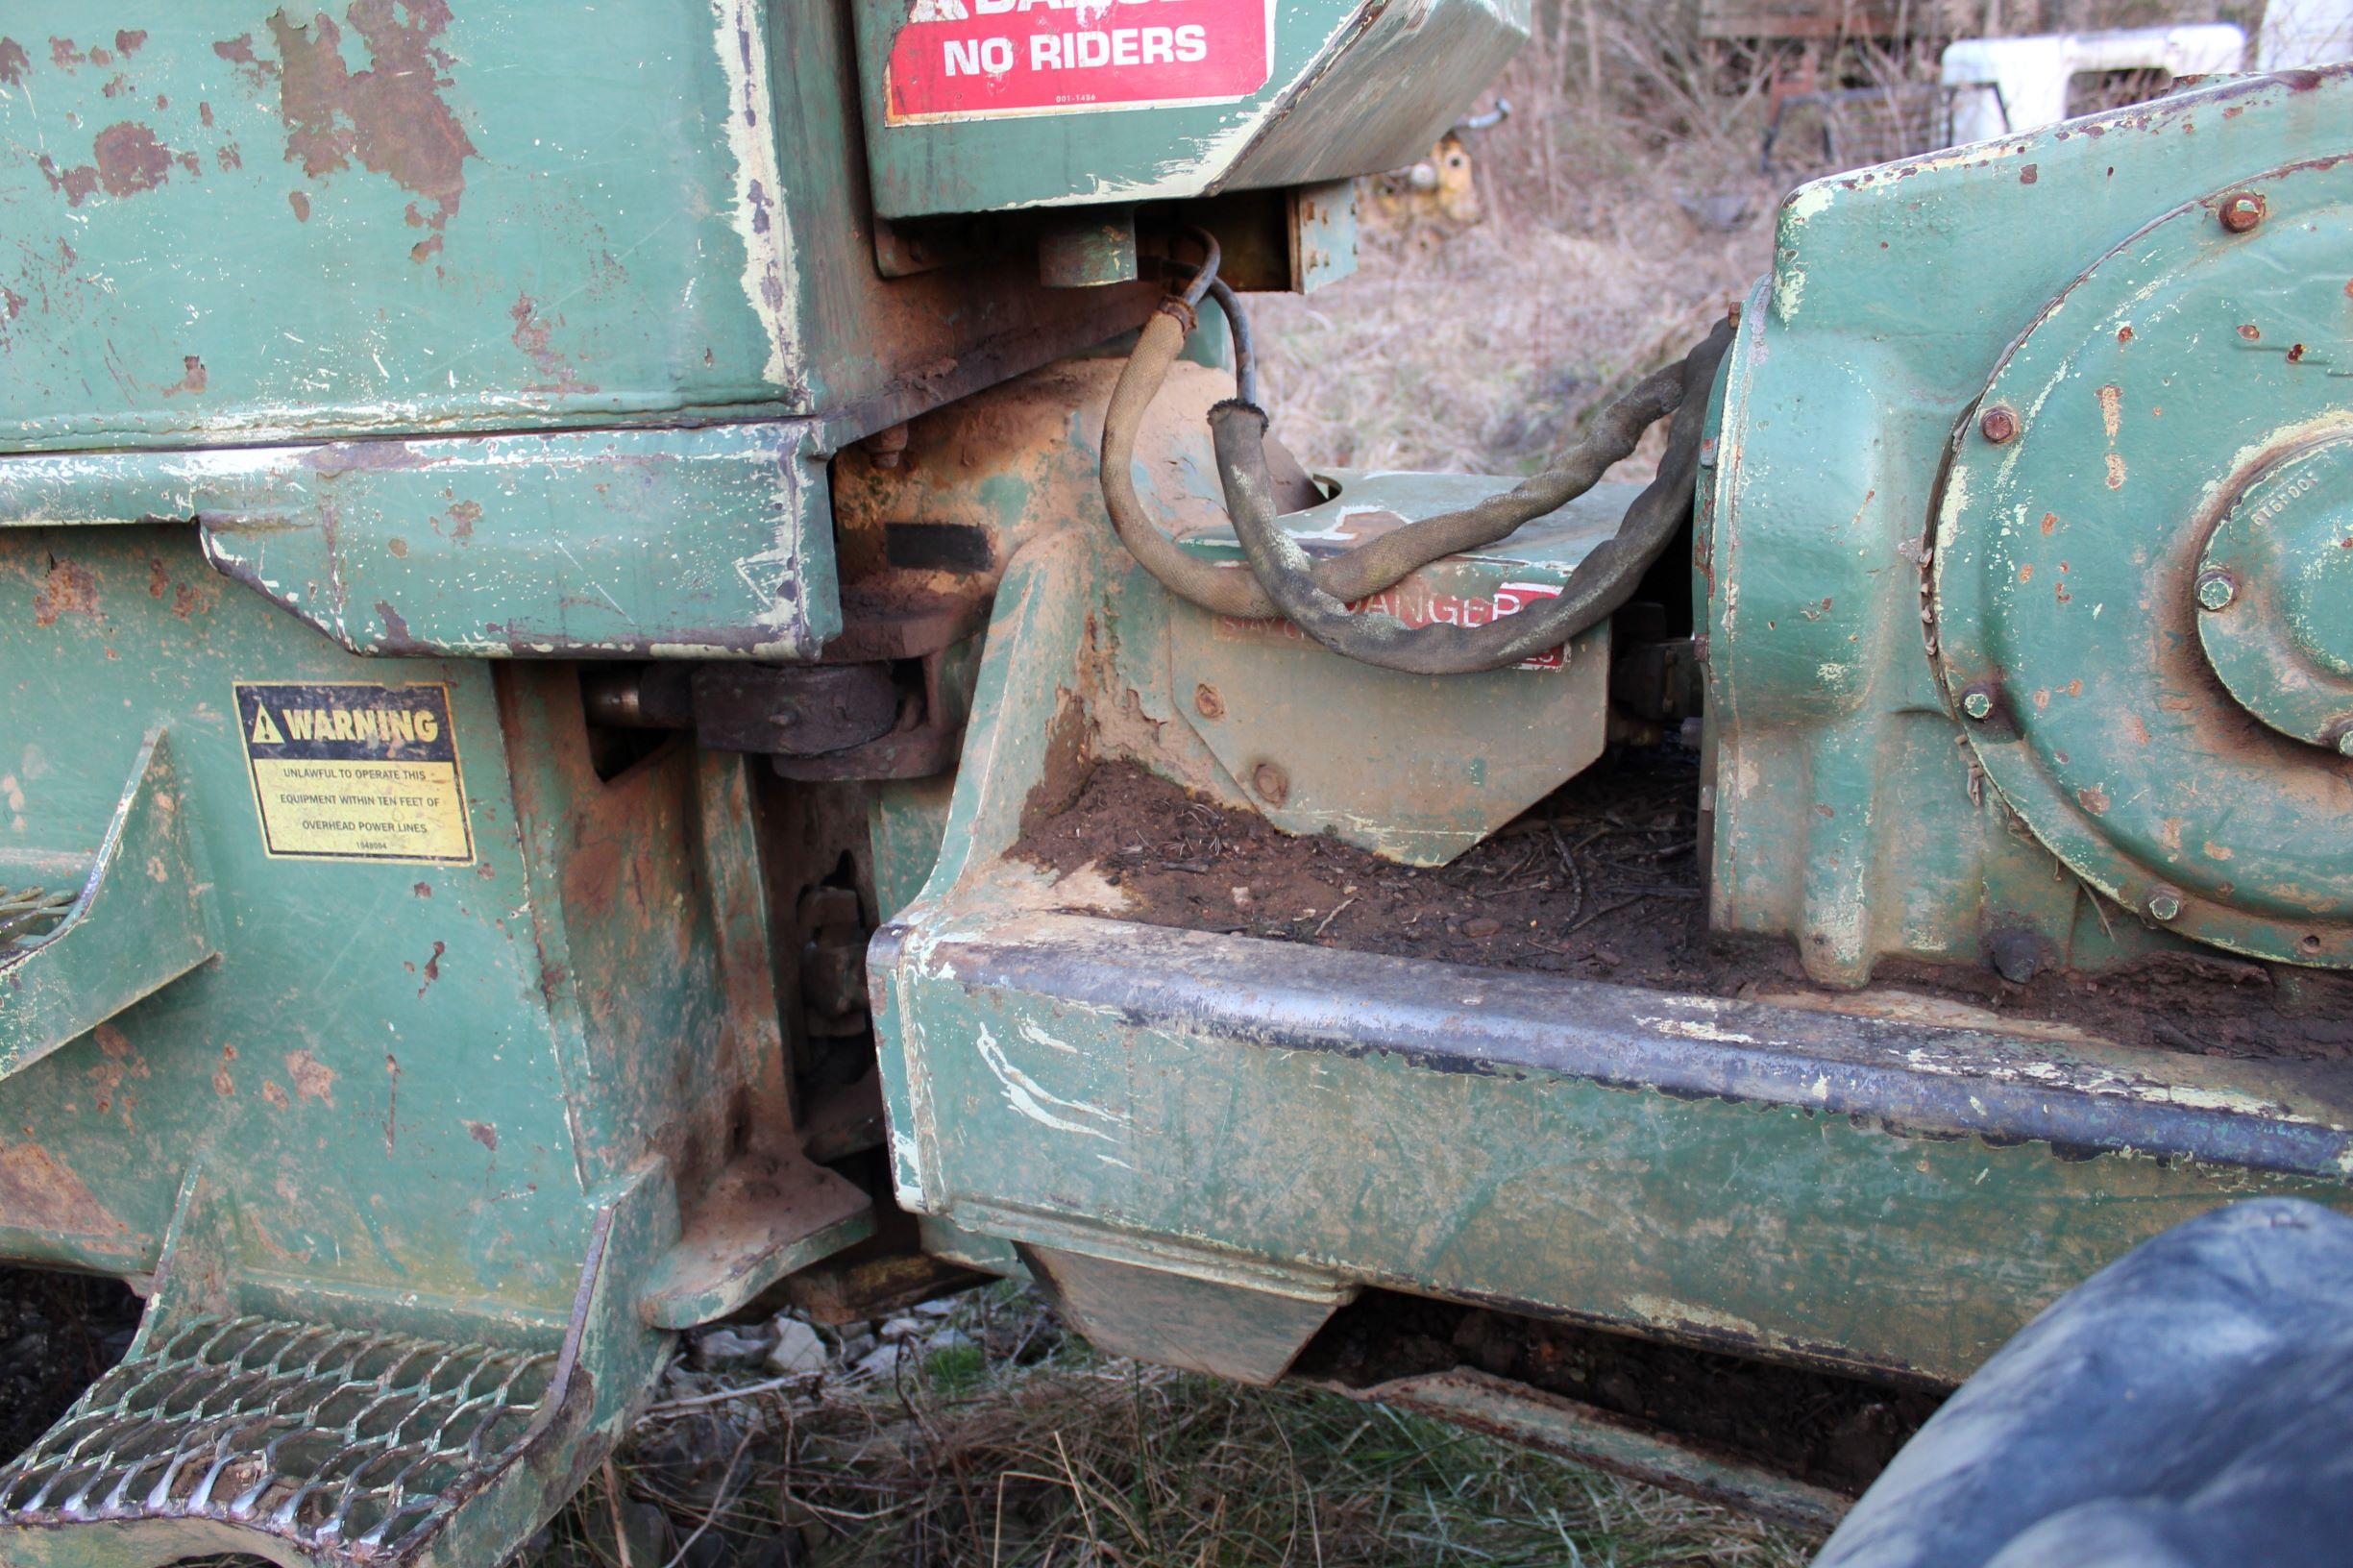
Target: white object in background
2300, 32
2030, 74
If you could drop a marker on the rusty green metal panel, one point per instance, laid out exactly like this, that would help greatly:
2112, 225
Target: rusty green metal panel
232, 221
650, 542
979, 105
237, 222
237, 230
260, 1055
1845, 813
514, 1088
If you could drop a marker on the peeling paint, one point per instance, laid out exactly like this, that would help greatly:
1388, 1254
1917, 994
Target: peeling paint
741, 36
389, 117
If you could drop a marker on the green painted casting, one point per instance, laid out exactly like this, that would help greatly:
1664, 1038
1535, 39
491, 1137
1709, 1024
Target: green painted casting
2176, 426
2285, 650
1843, 815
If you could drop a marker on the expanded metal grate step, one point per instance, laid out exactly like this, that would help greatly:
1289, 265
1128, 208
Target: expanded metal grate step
353, 1446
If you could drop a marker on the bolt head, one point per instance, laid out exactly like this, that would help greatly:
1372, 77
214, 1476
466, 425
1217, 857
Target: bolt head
1979, 705
1998, 425
1272, 784
2241, 212
2345, 743
2216, 590
1207, 702
2165, 904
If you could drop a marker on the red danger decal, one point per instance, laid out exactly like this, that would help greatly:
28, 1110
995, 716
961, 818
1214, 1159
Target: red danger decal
971, 59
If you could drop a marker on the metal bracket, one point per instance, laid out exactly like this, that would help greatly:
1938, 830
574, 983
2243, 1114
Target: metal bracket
142, 919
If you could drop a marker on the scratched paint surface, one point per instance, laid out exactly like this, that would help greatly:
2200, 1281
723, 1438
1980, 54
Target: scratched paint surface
227, 219
1846, 815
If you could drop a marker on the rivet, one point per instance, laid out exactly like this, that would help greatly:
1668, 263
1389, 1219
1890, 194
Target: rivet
1979, 705
2216, 590
2241, 212
2165, 904
1273, 783
1998, 425
1207, 702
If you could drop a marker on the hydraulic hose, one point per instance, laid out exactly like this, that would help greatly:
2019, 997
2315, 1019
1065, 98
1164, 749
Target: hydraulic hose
1602, 581
1377, 563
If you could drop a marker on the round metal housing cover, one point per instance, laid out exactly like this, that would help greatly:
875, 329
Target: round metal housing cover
2276, 583
2140, 599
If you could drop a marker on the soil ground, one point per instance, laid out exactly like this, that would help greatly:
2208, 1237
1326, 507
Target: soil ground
1602, 882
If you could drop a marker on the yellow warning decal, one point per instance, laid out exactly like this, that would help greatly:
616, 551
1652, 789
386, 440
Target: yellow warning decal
347, 772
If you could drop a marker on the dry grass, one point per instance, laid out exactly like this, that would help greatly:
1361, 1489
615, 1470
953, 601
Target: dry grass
1482, 346
1026, 1450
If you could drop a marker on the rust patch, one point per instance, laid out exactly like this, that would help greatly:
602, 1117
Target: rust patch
390, 118
130, 158
127, 160
62, 53
190, 598
432, 968
39, 1193
75, 185
276, 1096
14, 62
128, 41
69, 589
462, 517
192, 377
313, 1078
301, 204
240, 52
223, 1085
530, 336
484, 1134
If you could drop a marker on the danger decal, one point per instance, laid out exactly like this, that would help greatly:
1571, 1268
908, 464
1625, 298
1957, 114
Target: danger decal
346, 772
1417, 606
972, 60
